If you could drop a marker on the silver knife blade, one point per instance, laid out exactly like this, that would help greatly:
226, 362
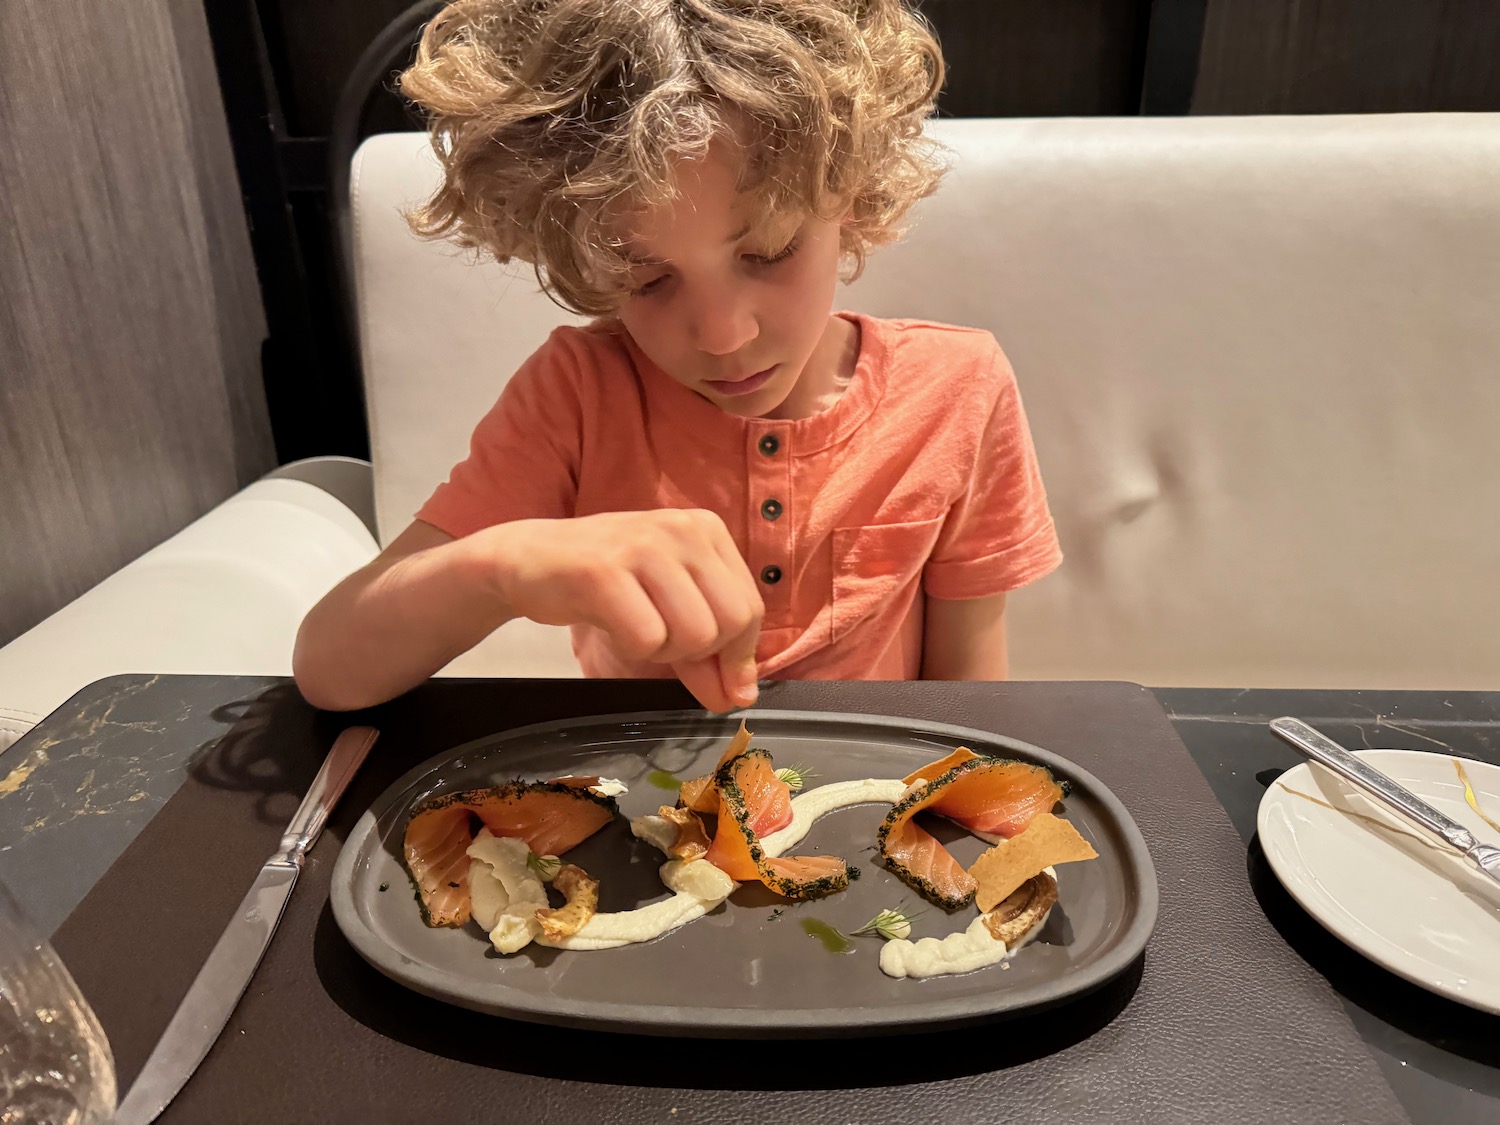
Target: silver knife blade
217, 988
1323, 750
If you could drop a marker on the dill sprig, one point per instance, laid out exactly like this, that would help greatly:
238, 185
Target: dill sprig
545, 867
795, 776
890, 924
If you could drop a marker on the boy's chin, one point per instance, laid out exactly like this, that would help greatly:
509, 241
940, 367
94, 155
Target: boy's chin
757, 404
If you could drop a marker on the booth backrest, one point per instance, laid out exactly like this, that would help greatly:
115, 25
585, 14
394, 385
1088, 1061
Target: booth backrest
1261, 359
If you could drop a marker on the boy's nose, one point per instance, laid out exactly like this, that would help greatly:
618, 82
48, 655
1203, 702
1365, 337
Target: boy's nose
723, 324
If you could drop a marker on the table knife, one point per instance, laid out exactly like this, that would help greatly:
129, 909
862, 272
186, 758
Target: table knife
1322, 749
225, 975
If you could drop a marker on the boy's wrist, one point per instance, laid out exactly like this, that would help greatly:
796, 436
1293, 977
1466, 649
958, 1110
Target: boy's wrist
486, 566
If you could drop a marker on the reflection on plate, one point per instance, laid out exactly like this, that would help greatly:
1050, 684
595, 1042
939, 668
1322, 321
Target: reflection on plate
1379, 884
749, 967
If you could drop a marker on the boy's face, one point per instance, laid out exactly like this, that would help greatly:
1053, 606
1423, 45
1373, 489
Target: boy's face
727, 307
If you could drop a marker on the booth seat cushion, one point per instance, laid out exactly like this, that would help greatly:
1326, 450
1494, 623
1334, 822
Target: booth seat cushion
223, 596
1258, 355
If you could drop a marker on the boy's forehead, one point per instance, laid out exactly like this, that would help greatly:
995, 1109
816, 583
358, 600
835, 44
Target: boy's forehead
708, 200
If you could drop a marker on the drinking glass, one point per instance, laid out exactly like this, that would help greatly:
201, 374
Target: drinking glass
55, 1063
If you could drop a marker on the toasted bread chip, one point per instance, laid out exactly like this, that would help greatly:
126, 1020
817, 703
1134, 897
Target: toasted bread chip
932, 770
582, 893
1046, 841
1026, 906
692, 839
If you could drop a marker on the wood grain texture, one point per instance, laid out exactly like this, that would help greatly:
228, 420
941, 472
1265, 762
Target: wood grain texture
130, 324
1005, 57
1040, 58
1349, 56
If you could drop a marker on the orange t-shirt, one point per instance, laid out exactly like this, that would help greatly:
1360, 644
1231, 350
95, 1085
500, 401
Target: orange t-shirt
921, 477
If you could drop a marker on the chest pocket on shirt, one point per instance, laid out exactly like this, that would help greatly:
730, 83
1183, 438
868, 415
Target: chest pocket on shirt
875, 566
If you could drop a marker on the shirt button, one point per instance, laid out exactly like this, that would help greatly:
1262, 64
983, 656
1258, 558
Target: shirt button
770, 575
769, 445
771, 509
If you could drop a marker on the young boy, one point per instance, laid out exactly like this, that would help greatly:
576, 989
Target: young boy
719, 478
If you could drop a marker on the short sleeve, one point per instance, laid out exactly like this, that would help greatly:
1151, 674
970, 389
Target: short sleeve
999, 534
524, 454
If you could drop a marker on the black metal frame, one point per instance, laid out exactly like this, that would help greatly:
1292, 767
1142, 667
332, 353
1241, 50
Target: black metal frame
296, 192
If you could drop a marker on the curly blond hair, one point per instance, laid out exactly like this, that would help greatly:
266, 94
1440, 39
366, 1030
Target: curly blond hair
548, 116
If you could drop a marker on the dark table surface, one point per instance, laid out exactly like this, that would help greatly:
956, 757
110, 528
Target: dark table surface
79, 788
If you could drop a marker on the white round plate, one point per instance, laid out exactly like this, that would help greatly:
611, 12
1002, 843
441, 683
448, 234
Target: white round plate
1425, 914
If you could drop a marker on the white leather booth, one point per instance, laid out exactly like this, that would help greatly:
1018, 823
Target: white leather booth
1261, 358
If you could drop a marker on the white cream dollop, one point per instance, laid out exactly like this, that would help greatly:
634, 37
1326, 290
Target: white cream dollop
504, 892
961, 952
697, 885
809, 806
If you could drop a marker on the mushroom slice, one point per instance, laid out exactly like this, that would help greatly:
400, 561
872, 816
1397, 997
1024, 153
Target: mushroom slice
1025, 910
692, 839
582, 894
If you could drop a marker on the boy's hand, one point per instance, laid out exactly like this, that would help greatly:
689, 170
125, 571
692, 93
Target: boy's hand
668, 586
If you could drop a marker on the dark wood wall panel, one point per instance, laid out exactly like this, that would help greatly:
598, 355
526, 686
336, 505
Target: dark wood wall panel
130, 325
315, 46
1349, 56
1040, 58
1005, 57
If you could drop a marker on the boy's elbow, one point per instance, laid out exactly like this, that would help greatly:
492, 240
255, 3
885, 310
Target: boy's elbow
318, 683
323, 696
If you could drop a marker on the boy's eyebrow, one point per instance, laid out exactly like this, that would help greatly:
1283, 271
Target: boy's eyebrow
643, 260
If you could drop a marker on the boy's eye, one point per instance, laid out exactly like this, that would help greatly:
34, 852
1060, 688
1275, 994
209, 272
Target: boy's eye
649, 286
780, 256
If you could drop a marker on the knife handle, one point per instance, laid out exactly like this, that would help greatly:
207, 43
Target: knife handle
338, 769
1327, 752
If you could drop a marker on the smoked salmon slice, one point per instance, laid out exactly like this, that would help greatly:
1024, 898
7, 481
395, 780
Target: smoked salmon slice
916, 857
747, 792
437, 860
988, 795
995, 796
701, 795
551, 817
936, 769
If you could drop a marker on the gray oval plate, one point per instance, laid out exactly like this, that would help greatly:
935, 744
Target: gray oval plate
748, 968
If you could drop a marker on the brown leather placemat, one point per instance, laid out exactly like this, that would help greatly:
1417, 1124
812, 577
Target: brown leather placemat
1219, 1022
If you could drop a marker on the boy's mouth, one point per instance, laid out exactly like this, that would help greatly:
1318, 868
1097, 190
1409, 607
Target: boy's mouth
745, 386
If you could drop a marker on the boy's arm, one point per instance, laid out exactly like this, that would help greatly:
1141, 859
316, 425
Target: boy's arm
668, 586
388, 626
964, 640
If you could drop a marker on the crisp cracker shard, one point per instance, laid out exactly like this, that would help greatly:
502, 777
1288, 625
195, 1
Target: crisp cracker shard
582, 893
1046, 841
692, 840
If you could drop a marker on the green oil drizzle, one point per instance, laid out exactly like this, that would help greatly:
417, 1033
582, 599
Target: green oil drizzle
831, 939
664, 780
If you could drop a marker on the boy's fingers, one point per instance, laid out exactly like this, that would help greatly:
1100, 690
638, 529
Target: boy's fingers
691, 620
738, 673
629, 615
701, 677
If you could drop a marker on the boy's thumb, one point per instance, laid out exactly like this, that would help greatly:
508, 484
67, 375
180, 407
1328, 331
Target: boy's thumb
738, 670
706, 682
739, 679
